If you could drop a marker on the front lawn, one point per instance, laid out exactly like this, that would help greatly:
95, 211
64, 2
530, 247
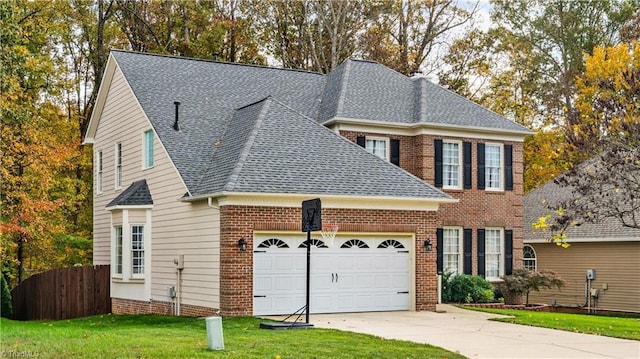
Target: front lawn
154, 336
610, 326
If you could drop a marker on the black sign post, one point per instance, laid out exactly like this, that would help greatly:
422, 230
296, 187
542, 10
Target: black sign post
311, 221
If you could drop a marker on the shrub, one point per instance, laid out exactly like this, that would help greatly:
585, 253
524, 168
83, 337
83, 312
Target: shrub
6, 308
523, 281
466, 288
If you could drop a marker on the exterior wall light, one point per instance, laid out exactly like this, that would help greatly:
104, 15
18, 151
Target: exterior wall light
242, 244
428, 246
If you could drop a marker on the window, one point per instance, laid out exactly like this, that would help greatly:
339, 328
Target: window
452, 247
493, 254
148, 149
451, 164
529, 258
118, 157
99, 171
137, 249
493, 166
117, 230
377, 146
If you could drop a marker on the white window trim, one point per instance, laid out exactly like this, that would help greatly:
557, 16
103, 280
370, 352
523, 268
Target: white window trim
127, 248
387, 155
99, 171
144, 248
500, 187
145, 153
502, 254
460, 164
114, 266
534, 259
460, 248
117, 157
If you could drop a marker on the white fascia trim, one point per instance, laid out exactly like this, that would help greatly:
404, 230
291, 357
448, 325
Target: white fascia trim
328, 201
422, 128
101, 99
586, 240
128, 207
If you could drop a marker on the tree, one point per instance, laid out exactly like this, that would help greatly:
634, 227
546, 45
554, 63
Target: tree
6, 308
312, 35
523, 281
530, 59
408, 32
606, 136
218, 29
36, 146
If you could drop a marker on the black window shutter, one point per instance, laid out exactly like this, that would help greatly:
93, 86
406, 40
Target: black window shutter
468, 232
438, 163
508, 167
466, 158
361, 141
480, 165
395, 152
439, 248
481, 252
508, 249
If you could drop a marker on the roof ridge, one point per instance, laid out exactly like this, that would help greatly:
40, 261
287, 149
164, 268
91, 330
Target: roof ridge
177, 57
235, 173
343, 83
472, 102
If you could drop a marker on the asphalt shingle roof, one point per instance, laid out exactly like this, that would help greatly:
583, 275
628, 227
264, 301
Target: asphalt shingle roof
209, 93
534, 208
272, 148
137, 194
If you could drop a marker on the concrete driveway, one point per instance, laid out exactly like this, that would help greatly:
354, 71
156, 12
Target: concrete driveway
471, 334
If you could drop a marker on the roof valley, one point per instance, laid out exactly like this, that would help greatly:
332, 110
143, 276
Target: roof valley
235, 173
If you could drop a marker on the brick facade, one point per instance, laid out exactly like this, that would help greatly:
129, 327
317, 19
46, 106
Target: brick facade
131, 306
477, 208
236, 272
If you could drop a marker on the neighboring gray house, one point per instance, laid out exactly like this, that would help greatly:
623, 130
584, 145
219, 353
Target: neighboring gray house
609, 248
194, 158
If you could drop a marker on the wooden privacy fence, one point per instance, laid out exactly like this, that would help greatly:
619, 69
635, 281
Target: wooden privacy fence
63, 293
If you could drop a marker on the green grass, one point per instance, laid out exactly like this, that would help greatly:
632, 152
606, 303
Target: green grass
610, 326
153, 336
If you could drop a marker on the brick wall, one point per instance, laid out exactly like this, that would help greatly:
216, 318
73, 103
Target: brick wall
477, 208
236, 272
130, 306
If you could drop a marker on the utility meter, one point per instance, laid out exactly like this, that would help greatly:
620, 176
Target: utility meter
591, 274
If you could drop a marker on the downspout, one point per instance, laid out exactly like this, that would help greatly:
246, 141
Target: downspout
210, 203
180, 266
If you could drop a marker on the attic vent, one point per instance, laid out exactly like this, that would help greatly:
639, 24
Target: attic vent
415, 73
175, 123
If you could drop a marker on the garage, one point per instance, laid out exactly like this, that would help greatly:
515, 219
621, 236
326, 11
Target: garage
352, 273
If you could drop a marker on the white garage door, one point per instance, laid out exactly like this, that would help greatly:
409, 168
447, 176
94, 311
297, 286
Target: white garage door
352, 274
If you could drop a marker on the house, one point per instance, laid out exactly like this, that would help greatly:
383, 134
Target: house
195, 159
601, 266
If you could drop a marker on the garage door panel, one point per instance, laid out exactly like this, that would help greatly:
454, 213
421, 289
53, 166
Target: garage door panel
365, 281
342, 279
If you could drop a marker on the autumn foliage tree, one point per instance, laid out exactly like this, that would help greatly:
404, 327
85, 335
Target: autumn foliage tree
37, 141
606, 136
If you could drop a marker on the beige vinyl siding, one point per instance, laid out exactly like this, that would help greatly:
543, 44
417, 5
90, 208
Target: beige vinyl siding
177, 227
617, 266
